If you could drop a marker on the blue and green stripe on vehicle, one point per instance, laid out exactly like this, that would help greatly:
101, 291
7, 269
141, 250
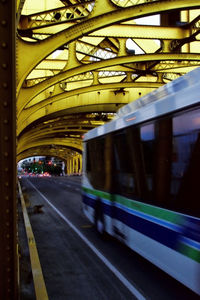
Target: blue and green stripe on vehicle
162, 225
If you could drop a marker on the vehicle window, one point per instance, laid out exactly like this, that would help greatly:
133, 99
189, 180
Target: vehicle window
147, 133
124, 181
95, 162
157, 162
186, 162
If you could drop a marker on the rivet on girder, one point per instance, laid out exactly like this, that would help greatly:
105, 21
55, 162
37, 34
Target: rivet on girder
4, 45
6, 138
5, 121
5, 85
7, 198
6, 169
6, 154
5, 103
4, 66
3, 22
7, 183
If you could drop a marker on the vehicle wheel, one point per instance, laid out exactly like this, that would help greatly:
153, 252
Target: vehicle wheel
100, 226
99, 219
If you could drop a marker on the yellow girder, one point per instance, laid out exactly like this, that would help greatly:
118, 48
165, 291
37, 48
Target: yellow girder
95, 73
142, 32
95, 21
71, 128
29, 93
67, 126
90, 88
62, 153
73, 144
95, 100
49, 132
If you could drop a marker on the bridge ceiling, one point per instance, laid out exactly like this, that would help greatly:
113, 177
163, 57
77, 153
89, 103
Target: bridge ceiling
79, 61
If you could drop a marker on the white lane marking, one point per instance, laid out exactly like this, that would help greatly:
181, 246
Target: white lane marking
126, 283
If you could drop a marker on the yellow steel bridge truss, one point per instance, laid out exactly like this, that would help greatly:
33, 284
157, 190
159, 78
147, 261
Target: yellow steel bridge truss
78, 61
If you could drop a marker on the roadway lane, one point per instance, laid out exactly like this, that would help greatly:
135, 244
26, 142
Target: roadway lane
71, 269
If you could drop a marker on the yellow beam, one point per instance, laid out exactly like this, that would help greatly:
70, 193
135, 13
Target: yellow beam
50, 17
69, 143
142, 32
26, 95
62, 153
92, 88
95, 101
25, 62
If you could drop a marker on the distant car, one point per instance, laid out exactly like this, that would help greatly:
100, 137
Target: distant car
46, 174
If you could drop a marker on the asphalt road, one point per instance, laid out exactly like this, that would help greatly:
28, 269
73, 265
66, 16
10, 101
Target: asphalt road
76, 262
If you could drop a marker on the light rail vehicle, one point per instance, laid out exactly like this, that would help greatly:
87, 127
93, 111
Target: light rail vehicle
141, 178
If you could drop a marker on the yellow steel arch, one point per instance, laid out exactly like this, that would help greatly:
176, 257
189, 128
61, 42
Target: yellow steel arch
73, 144
98, 87
43, 151
64, 154
97, 20
29, 93
94, 72
60, 153
69, 129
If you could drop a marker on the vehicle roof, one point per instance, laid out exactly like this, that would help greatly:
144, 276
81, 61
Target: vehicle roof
181, 92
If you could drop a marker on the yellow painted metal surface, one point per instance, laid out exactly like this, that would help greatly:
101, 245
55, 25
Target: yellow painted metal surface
42, 49
75, 59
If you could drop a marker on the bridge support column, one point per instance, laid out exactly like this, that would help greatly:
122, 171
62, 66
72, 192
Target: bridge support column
8, 227
70, 166
80, 166
67, 166
72, 170
77, 165
74, 165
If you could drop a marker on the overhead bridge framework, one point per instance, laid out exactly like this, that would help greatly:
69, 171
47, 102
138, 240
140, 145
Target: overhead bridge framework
67, 67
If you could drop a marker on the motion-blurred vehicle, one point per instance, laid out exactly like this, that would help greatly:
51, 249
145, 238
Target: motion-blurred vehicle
140, 179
